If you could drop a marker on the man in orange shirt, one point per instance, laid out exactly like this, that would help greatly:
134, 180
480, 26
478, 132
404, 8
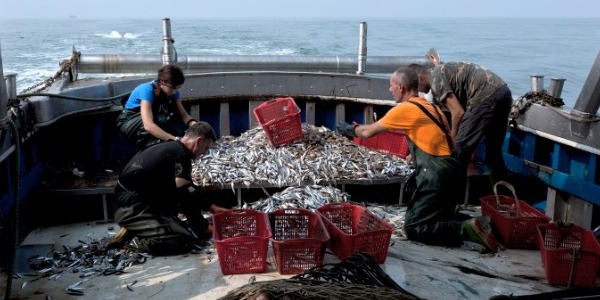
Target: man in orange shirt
431, 216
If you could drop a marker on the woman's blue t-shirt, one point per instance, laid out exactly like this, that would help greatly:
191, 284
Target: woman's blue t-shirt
145, 91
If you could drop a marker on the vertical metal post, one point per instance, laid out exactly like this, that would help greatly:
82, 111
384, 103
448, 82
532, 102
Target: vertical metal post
3, 92
362, 49
556, 86
168, 52
537, 83
11, 85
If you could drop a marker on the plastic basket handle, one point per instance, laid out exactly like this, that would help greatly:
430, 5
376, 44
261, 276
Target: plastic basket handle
336, 205
512, 190
267, 103
240, 211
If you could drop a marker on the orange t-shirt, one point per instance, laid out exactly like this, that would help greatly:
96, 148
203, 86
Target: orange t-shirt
418, 126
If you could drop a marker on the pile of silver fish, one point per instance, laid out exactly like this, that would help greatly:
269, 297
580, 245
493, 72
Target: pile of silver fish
322, 157
89, 259
308, 197
393, 214
312, 197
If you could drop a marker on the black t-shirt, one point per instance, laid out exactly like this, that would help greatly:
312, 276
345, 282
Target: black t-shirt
151, 173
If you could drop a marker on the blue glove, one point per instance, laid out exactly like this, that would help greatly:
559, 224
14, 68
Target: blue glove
346, 129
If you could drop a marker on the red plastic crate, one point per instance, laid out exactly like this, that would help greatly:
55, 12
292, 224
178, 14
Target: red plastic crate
560, 245
242, 240
515, 220
299, 239
389, 142
354, 229
280, 119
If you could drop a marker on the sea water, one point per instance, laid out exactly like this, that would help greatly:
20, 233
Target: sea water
512, 48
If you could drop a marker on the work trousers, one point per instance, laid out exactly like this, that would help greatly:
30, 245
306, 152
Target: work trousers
487, 120
158, 233
131, 128
431, 216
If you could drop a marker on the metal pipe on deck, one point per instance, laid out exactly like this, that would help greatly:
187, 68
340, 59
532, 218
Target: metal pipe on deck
537, 82
362, 48
556, 86
168, 52
116, 63
11, 85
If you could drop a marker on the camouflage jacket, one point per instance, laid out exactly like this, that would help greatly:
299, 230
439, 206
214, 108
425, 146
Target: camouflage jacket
470, 83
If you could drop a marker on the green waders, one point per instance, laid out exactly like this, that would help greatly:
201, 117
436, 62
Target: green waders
152, 232
431, 216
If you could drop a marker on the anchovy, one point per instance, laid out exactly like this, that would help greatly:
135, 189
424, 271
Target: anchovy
323, 156
75, 286
91, 259
308, 197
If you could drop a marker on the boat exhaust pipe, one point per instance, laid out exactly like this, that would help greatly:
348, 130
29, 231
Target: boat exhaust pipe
362, 48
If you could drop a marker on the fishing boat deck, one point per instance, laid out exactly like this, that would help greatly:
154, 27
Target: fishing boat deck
428, 272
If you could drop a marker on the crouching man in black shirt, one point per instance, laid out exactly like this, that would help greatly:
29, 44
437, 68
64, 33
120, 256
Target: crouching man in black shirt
155, 187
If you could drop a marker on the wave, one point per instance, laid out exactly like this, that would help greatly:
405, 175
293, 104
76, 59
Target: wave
241, 50
117, 35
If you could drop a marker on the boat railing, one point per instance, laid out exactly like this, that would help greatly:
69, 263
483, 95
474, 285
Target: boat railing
117, 63
359, 64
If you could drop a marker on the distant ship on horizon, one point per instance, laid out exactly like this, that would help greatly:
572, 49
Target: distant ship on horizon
72, 17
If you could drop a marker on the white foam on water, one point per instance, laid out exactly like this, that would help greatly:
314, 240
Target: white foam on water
117, 35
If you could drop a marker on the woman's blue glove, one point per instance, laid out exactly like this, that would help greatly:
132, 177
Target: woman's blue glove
346, 129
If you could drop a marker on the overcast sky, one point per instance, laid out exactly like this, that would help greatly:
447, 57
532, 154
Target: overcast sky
227, 9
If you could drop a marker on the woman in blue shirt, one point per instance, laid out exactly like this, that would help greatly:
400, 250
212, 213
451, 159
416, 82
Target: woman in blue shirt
154, 111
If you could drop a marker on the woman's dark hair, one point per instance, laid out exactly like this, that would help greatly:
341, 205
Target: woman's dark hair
171, 74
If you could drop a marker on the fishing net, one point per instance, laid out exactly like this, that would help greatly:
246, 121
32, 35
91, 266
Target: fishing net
357, 277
